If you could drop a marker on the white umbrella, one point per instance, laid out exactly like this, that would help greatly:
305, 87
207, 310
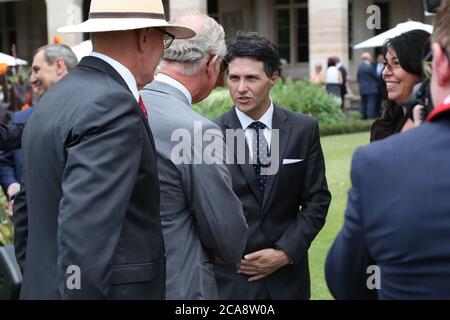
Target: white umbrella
82, 49
11, 61
379, 40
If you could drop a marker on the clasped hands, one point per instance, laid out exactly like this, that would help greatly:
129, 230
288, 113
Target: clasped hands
260, 264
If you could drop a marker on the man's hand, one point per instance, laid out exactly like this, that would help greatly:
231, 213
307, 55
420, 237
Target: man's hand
12, 190
260, 264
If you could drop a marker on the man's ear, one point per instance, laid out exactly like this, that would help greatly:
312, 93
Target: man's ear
441, 65
143, 36
60, 67
274, 78
211, 68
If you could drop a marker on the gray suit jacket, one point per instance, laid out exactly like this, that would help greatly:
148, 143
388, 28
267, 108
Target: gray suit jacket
200, 214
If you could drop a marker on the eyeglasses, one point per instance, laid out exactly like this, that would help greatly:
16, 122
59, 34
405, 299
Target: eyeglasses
167, 38
427, 63
223, 66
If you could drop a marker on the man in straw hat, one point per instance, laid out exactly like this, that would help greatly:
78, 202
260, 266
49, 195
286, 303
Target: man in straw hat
90, 175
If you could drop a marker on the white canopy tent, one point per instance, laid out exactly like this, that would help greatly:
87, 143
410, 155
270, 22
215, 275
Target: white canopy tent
82, 49
400, 28
11, 61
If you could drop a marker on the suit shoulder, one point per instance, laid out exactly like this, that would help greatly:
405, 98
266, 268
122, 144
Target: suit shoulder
190, 117
21, 116
391, 151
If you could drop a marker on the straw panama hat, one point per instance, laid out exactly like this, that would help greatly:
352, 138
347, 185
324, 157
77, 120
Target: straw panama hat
120, 15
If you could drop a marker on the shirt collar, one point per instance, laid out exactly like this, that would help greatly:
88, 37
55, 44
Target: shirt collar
266, 118
174, 83
122, 70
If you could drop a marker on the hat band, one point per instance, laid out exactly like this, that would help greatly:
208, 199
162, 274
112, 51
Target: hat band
128, 15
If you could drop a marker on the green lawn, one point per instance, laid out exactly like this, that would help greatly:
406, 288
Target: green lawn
338, 151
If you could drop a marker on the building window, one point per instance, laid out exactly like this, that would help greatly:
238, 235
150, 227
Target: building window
291, 30
213, 9
8, 28
166, 9
384, 9
86, 8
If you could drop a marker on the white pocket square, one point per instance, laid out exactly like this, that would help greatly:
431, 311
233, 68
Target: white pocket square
290, 161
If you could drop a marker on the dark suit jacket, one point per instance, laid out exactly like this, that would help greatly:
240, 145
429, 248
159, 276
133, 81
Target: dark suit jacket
92, 192
11, 161
276, 220
368, 79
344, 80
10, 136
397, 217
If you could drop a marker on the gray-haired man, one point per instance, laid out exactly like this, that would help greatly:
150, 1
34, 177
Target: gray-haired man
50, 64
200, 214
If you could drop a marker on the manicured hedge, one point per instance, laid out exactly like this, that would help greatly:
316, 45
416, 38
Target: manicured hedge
348, 126
297, 96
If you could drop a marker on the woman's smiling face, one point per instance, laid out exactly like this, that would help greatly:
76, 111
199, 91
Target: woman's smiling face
399, 82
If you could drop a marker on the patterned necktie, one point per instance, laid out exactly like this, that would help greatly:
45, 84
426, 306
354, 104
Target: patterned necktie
260, 152
143, 108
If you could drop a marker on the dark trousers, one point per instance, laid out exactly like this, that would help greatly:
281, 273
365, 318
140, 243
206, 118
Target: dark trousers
369, 106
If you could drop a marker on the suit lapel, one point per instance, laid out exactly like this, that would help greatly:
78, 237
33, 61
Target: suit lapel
279, 121
232, 122
103, 66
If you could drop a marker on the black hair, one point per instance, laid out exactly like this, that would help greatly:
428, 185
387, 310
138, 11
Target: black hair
409, 48
331, 62
253, 46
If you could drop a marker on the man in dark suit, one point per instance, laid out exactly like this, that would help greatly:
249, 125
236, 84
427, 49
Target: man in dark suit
395, 243
50, 64
344, 73
382, 90
286, 210
368, 86
89, 170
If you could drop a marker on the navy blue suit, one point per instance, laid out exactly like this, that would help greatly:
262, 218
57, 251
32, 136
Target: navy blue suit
11, 161
398, 218
368, 89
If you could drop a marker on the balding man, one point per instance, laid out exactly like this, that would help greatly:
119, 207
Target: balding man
368, 86
92, 191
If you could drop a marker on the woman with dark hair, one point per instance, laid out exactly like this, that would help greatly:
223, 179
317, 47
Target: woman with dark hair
403, 69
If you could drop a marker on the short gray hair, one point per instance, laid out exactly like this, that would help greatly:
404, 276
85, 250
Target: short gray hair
191, 53
55, 51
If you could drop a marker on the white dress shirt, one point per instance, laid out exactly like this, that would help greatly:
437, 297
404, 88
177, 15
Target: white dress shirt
126, 74
174, 83
245, 121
